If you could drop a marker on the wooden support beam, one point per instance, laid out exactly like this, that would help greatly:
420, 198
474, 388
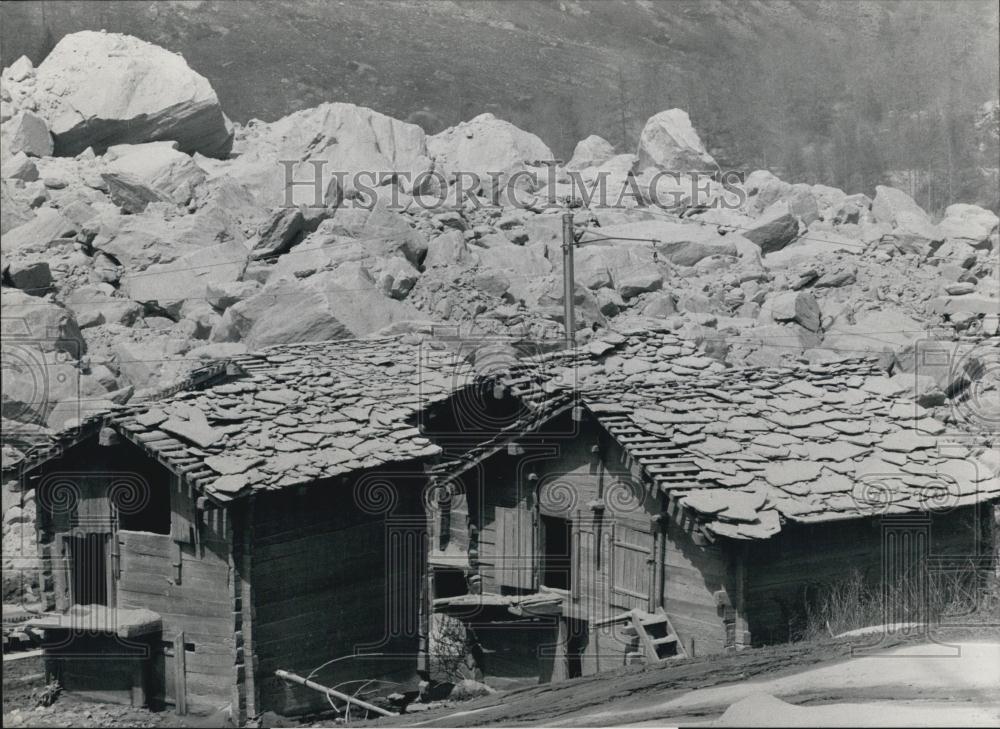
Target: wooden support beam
295, 678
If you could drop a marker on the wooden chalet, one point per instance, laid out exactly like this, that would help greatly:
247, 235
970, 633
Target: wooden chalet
267, 516
678, 508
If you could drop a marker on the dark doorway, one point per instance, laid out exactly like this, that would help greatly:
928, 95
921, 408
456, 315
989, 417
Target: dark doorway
449, 582
556, 554
89, 569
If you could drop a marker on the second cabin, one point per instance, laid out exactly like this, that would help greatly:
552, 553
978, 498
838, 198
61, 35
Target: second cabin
654, 519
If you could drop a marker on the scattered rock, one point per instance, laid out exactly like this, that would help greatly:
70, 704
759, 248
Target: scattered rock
158, 165
639, 282
279, 233
800, 307
32, 277
28, 133
774, 234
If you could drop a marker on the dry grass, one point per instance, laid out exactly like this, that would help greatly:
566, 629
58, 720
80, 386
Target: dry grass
962, 596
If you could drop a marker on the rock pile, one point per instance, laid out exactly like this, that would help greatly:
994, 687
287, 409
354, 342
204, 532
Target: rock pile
143, 234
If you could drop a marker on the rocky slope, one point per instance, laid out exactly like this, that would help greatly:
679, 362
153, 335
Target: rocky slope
143, 235
845, 92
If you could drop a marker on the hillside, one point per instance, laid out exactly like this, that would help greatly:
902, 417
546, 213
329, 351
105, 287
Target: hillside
845, 93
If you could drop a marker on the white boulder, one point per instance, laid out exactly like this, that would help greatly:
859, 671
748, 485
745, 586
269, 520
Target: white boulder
330, 144
490, 148
668, 141
590, 152
99, 89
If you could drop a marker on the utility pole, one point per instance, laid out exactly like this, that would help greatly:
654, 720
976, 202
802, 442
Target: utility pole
571, 239
569, 285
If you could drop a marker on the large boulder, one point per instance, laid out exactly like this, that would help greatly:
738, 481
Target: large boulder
31, 276
151, 363
776, 228
94, 304
35, 234
160, 165
590, 152
330, 144
14, 211
170, 284
40, 323
279, 233
763, 188
27, 132
448, 249
970, 224
639, 282
669, 142
328, 305
911, 226
793, 306
518, 265
34, 381
488, 147
137, 241
684, 244
380, 224
100, 89
895, 331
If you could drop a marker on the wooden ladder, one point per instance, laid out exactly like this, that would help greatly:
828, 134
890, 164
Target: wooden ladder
656, 635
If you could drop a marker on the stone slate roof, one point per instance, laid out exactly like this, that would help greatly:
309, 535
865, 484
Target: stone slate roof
748, 449
299, 413
745, 450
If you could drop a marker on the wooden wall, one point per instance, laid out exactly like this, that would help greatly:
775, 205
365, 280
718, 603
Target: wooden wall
185, 575
789, 570
625, 555
201, 606
701, 589
332, 573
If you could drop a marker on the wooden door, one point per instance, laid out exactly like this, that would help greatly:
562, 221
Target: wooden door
631, 566
515, 547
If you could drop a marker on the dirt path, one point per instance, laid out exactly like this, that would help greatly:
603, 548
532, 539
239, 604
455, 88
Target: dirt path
682, 691
918, 680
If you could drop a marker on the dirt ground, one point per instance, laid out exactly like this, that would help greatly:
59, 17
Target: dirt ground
24, 684
691, 692
640, 695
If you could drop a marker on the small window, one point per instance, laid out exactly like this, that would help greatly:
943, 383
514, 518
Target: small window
142, 509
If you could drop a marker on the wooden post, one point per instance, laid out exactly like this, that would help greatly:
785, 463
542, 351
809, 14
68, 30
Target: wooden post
180, 674
569, 284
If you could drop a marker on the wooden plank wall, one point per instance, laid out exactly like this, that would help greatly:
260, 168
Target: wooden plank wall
201, 605
144, 565
321, 570
565, 475
693, 575
783, 571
